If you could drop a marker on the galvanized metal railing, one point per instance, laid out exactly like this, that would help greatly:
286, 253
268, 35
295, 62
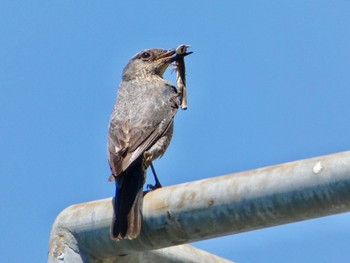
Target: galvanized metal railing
206, 209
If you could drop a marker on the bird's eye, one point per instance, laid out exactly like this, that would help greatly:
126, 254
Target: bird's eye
145, 55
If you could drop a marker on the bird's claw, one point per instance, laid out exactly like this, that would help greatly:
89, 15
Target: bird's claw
151, 187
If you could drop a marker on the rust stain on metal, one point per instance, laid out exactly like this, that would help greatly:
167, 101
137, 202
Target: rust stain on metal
158, 204
59, 250
211, 202
188, 196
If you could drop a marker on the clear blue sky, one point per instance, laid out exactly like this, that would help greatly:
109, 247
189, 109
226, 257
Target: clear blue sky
268, 83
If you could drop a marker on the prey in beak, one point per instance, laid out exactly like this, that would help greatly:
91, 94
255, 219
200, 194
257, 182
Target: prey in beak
181, 52
175, 54
163, 60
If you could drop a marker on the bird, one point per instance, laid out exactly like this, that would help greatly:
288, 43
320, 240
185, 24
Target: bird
140, 130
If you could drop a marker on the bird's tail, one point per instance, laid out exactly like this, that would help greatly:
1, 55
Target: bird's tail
128, 202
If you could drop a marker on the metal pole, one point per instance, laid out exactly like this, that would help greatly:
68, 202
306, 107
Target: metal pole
217, 206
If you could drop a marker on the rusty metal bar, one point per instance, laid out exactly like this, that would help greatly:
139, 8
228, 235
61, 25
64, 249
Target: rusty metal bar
215, 207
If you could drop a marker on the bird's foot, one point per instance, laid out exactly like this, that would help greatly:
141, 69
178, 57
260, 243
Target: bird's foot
151, 187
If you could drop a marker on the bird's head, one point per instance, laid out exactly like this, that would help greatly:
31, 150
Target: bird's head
150, 62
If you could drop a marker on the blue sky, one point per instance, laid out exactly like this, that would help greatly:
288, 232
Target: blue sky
268, 83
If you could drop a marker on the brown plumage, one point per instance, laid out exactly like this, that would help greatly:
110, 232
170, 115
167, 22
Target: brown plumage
140, 131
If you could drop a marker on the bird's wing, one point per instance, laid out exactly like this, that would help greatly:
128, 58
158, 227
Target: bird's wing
129, 138
126, 145
145, 141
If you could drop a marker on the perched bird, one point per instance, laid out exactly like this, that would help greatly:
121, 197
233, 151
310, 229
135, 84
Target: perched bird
140, 130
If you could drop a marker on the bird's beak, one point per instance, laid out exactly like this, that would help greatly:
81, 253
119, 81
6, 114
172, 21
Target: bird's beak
171, 55
167, 54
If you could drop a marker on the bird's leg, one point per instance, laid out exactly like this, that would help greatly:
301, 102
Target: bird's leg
157, 183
